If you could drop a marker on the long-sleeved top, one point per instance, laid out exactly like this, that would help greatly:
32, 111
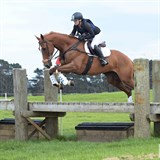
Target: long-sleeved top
87, 29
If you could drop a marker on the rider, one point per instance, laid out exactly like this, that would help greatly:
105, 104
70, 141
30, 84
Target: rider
86, 30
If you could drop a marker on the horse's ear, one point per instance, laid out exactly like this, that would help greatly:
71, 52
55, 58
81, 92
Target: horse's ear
37, 37
42, 37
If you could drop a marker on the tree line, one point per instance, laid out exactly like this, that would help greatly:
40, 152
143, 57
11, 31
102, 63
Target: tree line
83, 84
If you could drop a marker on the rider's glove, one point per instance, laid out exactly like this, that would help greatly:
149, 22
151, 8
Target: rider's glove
81, 37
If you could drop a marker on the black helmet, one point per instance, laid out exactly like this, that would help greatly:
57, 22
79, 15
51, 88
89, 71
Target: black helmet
77, 15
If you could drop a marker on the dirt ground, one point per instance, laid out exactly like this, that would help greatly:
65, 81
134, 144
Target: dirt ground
130, 157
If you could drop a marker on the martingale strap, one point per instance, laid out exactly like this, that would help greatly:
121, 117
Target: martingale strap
88, 66
73, 47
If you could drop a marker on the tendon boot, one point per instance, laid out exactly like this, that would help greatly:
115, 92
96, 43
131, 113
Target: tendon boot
100, 55
53, 80
63, 80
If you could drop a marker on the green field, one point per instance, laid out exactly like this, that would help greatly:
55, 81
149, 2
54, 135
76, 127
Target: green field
67, 148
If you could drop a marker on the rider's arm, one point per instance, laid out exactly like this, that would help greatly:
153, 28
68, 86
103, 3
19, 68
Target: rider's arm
90, 31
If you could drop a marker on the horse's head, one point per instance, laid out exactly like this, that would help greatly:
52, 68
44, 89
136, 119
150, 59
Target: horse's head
47, 50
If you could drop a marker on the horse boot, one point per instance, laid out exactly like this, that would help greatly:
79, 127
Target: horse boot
54, 81
100, 55
63, 80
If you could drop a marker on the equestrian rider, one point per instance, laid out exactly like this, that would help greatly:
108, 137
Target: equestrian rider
86, 30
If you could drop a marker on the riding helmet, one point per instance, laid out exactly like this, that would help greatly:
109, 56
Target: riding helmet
77, 16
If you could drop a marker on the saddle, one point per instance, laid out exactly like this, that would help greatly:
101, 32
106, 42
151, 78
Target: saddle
90, 59
103, 44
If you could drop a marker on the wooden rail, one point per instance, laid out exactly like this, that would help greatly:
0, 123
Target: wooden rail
79, 107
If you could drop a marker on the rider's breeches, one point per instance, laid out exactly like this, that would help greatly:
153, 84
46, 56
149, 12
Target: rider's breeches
97, 40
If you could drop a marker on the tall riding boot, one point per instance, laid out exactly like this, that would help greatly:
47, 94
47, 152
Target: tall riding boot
100, 55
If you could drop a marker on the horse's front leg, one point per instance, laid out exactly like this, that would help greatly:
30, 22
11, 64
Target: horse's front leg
53, 77
72, 67
55, 74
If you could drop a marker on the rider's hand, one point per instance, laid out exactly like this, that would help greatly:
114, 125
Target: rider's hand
81, 37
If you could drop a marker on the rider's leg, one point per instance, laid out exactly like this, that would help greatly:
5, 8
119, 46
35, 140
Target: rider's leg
100, 55
97, 40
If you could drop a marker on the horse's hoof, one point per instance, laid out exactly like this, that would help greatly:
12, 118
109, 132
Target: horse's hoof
56, 85
71, 83
60, 86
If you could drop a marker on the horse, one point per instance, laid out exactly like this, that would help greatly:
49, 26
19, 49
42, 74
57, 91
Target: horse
74, 59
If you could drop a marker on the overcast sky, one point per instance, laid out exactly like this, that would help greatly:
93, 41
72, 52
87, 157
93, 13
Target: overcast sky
132, 27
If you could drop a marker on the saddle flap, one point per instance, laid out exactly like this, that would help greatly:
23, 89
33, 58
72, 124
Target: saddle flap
105, 50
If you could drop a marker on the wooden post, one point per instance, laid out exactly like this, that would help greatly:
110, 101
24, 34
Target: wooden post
20, 103
156, 90
51, 94
142, 98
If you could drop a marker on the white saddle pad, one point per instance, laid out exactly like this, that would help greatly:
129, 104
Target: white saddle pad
105, 50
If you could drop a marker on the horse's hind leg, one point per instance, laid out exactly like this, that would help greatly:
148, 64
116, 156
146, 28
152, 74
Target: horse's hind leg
113, 79
129, 86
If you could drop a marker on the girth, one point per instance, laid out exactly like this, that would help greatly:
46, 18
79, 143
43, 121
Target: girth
88, 65
90, 58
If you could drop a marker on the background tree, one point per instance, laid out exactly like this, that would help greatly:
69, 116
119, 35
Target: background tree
88, 84
83, 84
36, 84
6, 77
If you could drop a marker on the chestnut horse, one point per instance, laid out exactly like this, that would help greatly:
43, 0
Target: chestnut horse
74, 59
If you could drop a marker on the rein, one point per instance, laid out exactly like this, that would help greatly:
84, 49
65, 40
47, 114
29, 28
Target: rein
62, 54
90, 58
73, 47
50, 57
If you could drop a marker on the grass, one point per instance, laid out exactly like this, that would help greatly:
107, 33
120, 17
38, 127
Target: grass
70, 150
92, 97
96, 97
67, 148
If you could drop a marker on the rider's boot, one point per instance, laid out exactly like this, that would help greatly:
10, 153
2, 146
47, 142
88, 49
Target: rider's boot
100, 55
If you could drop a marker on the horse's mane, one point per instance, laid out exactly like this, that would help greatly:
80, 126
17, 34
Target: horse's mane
58, 34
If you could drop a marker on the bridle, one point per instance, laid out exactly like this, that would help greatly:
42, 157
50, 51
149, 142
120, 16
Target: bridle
47, 48
73, 47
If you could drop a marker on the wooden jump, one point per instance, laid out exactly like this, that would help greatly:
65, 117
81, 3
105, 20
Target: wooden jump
79, 107
144, 111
